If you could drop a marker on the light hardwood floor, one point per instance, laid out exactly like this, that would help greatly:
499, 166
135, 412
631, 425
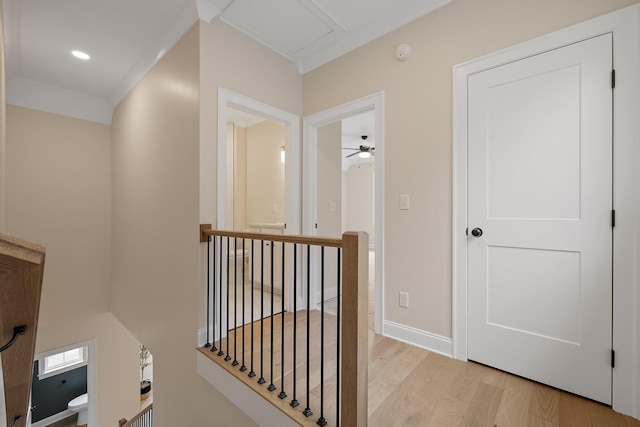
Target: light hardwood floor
409, 386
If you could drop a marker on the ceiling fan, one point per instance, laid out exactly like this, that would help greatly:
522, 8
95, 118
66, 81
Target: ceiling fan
364, 151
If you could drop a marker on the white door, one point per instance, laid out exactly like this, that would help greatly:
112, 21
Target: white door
540, 189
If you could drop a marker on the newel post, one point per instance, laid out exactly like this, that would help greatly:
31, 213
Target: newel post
355, 297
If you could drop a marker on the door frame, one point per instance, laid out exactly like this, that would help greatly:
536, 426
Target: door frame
311, 124
291, 122
92, 383
623, 24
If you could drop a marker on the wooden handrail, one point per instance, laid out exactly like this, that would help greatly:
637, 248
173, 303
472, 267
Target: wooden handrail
21, 272
354, 323
124, 423
205, 230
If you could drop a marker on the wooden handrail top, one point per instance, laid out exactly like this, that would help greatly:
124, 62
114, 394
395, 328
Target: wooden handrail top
123, 422
205, 230
13, 247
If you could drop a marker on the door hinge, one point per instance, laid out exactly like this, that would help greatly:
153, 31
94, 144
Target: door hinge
613, 217
316, 225
613, 79
613, 358
285, 225
466, 231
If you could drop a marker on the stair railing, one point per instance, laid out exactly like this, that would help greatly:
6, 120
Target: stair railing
311, 356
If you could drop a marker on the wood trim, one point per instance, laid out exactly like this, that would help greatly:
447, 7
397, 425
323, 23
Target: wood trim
282, 405
21, 273
203, 235
355, 291
124, 423
285, 238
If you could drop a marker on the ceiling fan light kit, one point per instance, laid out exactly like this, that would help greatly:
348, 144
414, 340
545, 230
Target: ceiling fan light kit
364, 151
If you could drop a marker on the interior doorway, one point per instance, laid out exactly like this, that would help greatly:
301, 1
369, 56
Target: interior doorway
622, 25
256, 159
334, 145
287, 211
81, 376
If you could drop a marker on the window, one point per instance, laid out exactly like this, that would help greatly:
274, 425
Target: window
61, 361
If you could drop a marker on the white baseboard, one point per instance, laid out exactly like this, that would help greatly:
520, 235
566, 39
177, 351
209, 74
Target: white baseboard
428, 341
202, 336
53, 418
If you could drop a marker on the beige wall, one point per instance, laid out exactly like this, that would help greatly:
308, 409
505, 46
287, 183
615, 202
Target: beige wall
358, 208
418, 123
329, 176
236, 177
156, 252
233, 61
59, 195
3, 127
265, 173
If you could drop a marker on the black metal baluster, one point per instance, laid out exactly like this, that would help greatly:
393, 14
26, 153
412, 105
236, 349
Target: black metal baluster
307, 411
294, 402
261, 380
208, 343
235, 302
322, 421
338, 316
243, 367
227, 357
213, 261
251, 371
282, 394
220, 352
271, 385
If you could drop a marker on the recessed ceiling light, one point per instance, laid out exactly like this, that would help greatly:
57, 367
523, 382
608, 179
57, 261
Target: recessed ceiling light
80, 54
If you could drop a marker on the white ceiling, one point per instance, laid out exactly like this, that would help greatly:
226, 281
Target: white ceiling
126, 37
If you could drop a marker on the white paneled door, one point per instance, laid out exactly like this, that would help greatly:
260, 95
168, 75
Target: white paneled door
539, 216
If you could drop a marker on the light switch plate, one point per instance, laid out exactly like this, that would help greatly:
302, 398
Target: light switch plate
404, 202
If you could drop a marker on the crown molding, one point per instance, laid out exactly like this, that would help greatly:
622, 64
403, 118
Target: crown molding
357, 38
54, 99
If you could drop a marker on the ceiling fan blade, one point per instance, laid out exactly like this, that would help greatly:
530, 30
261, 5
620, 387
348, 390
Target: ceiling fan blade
372, 148
347, 148
351, 155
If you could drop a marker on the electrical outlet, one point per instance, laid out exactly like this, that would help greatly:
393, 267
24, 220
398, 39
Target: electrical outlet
404, 299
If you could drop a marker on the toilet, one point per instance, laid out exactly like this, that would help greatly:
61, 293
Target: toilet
80, 405
238, 261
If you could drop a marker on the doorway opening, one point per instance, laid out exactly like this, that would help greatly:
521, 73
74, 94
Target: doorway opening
258, 164
256, 159
343, 191
61, 376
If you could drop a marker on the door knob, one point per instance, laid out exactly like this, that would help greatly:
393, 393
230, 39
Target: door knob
476, 232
